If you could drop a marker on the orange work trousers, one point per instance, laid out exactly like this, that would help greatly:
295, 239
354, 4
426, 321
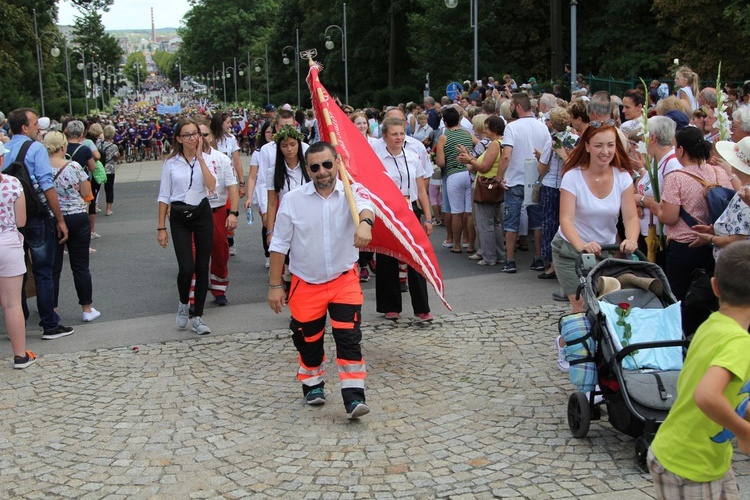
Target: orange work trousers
342, 299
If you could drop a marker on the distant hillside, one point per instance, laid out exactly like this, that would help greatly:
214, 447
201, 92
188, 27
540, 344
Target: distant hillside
159, 31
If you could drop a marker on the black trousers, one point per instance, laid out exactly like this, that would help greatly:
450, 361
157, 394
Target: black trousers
199, 228
682, 261
388, 288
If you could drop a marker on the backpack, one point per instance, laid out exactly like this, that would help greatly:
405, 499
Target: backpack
31, 190
717, 199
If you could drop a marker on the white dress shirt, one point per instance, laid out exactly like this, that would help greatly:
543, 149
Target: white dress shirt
318, 232
267, 162
403, 169
416, 147
222, 165
176, 179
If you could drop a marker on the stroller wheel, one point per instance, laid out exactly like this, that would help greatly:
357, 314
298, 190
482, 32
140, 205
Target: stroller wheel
641, 453
579, 414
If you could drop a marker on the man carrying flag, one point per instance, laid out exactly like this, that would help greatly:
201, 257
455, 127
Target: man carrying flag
315, 226
398, 233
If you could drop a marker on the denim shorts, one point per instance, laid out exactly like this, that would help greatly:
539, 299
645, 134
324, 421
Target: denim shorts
513, 207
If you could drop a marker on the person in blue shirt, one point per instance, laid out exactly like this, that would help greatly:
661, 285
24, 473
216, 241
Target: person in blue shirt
42, 232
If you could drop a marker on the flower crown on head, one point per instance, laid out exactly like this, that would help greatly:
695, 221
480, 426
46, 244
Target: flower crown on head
287, 132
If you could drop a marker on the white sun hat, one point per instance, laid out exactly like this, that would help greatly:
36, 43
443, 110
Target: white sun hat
736, 154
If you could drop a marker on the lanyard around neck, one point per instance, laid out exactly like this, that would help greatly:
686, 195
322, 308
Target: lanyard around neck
192, 168
400, 176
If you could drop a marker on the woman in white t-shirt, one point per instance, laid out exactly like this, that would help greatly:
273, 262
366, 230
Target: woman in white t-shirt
597, 184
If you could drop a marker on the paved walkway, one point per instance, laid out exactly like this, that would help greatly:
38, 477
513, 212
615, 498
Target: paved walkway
469, 407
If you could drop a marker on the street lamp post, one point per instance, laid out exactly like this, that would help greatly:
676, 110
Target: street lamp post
55, 52
286, 61
573, 45
179, 66
330, 45
473, 16
82, 66
257, 70
233, 74
241, 72
224, 82
138, 77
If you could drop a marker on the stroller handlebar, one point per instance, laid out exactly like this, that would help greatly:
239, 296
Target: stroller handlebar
605, 248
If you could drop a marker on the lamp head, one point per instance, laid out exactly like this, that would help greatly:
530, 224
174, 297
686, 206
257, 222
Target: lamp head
451, 4
55, 51
285, 60
329, 43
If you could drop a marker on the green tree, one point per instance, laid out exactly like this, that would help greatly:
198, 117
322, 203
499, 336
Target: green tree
165, 62
18, 56
135, 74
702, 35
99, 47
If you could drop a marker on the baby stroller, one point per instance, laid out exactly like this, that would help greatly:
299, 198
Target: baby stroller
633, 350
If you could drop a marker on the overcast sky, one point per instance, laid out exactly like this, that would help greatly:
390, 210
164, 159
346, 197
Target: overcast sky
132, 14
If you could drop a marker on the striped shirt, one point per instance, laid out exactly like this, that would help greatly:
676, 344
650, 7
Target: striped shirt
453, 139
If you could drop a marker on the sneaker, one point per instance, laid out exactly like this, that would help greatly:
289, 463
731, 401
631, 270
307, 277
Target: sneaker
537, 265
267, 264
447, 244
509, 267
356, 409
221, 300
95, 236
233, 250
371, 265
475, 256
199, 327
404, 287
21, 362
182, 315
393, 316
364, 275
90, 316
562, 363
98, 210
425, 317
315, 397
485, 263
559, 297
92, 250
57, 333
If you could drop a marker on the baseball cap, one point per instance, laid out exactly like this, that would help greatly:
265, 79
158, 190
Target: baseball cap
43, 123
270, 107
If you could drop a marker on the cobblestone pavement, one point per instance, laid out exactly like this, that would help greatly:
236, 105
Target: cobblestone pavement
471, 406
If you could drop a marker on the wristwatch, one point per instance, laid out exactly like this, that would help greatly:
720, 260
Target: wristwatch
234, 212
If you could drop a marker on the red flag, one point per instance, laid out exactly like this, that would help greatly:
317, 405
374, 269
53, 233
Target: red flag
398, 232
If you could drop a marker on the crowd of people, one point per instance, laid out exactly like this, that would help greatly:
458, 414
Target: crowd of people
568, 177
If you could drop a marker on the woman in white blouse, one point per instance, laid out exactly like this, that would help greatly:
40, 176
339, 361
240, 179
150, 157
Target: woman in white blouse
403, 167
186, 183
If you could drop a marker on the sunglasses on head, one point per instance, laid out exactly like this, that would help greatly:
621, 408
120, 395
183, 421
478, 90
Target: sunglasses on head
314, 167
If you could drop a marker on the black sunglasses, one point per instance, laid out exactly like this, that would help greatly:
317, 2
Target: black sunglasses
314, 167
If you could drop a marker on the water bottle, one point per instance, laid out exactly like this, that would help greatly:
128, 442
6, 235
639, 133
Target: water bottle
250, 217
